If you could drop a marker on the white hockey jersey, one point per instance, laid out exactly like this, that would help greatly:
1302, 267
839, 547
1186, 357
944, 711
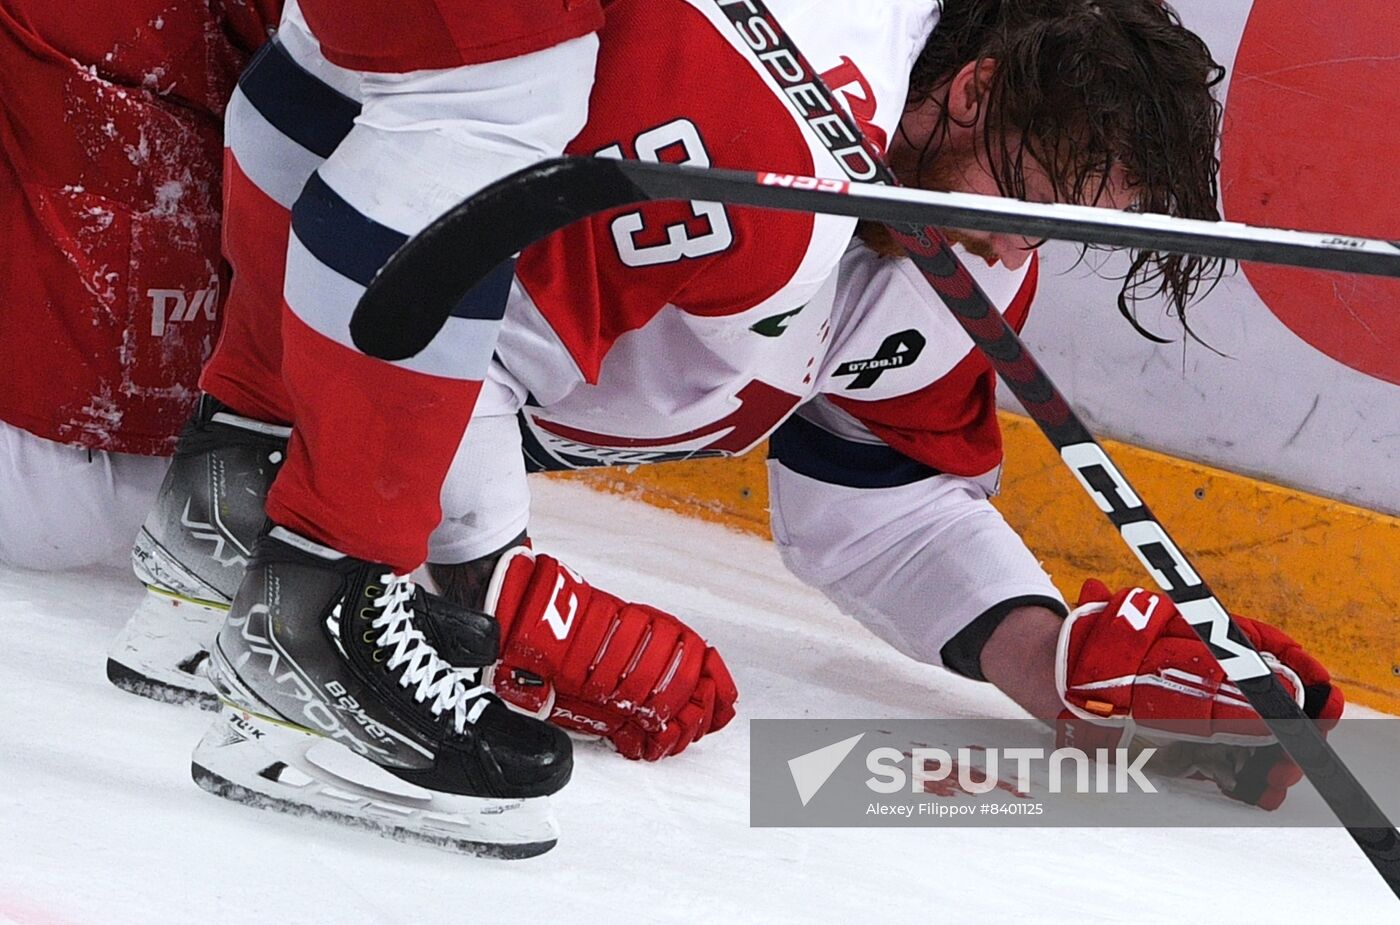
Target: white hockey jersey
678, 330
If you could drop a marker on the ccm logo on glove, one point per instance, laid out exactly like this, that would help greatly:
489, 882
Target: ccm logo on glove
553, 615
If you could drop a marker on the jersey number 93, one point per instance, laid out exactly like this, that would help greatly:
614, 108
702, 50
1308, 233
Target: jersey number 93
676, 142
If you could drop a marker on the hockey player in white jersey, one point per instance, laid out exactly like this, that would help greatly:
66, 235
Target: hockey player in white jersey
674, 331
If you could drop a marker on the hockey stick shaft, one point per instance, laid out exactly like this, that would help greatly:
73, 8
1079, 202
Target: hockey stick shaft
1084, 224
566, 189
931, 252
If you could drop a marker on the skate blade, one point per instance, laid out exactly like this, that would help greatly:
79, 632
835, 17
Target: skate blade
269, 765
162, 652
142, 686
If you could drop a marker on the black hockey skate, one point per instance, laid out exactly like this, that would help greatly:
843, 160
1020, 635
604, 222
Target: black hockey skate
192, 551
338, 704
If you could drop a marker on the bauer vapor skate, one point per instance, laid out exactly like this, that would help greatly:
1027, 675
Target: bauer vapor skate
192, 551
350, 694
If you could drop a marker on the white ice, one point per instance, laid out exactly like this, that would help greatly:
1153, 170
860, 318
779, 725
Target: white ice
100, 823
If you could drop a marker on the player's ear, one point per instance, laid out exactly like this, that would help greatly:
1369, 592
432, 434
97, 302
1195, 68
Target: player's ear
968, 89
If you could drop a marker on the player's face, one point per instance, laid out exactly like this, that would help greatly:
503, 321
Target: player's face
967, 173
960, 166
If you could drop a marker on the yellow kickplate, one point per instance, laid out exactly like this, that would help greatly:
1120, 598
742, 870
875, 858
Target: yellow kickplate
1325, 572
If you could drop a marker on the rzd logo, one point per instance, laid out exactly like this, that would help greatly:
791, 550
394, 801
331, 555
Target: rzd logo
169, 306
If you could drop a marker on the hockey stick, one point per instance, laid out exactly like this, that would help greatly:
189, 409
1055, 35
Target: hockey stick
415, 293
405, 307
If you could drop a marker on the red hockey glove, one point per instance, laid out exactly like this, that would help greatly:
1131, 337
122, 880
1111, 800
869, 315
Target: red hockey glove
1128, 663
597, 665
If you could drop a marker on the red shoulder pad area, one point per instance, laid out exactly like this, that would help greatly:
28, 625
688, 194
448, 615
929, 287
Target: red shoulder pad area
950, 424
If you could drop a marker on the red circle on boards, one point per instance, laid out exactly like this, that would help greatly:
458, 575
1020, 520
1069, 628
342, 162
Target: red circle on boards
1312, 140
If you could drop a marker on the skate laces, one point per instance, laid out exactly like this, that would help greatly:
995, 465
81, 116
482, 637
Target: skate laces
451, 689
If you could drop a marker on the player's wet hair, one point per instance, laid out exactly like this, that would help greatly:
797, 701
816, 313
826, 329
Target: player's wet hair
1080, 86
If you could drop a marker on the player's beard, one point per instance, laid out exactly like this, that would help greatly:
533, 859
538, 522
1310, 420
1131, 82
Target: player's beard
944, 173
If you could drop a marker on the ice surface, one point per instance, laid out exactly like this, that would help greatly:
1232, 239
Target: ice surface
99, 822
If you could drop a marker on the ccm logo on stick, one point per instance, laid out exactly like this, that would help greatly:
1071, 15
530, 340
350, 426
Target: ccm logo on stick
1100, 478
788, 180
1111, 492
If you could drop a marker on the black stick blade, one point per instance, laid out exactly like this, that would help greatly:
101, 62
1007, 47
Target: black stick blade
413, 295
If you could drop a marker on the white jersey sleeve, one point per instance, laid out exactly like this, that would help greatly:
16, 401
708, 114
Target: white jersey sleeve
915, 555
879, 484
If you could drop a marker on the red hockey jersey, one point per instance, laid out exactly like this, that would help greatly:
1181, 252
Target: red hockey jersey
110, 143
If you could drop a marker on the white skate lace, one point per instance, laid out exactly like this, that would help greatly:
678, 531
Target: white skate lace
458, 690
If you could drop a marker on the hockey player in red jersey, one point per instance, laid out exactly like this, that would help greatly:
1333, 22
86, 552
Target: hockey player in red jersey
679, 330
110, 275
